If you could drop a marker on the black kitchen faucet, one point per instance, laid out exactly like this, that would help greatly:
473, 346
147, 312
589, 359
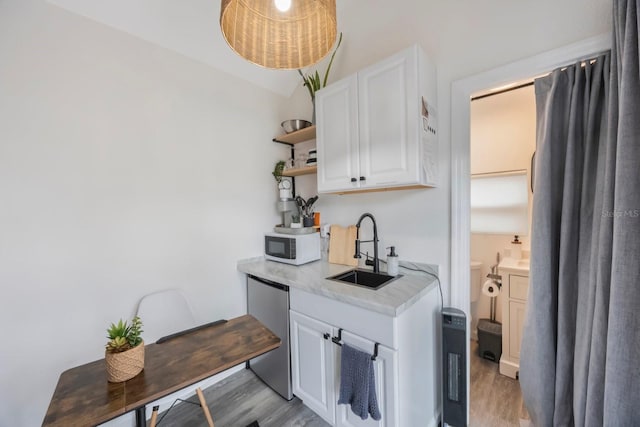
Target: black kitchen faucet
376, 261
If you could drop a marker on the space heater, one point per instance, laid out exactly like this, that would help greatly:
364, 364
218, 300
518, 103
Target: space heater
454, 367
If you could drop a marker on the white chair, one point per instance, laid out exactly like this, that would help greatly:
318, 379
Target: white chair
164, 313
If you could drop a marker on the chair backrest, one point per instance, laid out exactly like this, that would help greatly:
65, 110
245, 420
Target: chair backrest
163, 313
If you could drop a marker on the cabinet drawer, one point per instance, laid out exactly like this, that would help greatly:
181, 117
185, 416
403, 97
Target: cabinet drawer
518, 286
373, 326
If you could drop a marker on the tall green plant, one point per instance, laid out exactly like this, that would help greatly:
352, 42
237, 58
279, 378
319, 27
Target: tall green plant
312, 81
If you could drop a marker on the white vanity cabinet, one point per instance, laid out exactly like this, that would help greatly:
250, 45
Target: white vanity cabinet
376, 129
515, 287
406, 370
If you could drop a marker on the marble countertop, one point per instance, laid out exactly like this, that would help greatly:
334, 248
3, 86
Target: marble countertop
392, 299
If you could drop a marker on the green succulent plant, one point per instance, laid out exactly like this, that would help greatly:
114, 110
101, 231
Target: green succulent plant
123, 336
117, 345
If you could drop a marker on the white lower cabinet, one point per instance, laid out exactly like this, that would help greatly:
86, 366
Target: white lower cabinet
385, 369
407, 369
313, 365
315, 361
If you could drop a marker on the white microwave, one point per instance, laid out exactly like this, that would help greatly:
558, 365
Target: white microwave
293, 249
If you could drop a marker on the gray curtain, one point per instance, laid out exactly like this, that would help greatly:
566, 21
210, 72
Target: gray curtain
580, 355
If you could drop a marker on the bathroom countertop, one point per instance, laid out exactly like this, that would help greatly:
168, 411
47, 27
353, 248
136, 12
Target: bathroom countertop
392, 299
521, 265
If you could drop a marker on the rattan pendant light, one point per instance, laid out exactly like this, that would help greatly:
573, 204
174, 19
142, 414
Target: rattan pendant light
263, 34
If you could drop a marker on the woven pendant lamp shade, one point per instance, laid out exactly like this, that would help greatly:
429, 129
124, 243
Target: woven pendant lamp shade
294, 39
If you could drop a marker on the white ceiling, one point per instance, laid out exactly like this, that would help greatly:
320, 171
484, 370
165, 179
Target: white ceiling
464, 36
188, 27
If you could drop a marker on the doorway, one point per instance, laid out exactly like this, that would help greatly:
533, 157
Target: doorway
502, 143
461, 93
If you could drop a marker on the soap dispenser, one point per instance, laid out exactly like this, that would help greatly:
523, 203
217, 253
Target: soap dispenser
392, 262
516, 248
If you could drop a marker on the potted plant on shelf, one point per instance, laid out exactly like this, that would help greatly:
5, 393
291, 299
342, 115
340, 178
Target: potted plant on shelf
277, 171
306, 209
283, 185
295, 221
313, 83
124, 353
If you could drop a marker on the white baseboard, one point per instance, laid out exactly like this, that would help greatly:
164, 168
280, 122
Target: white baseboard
509, 368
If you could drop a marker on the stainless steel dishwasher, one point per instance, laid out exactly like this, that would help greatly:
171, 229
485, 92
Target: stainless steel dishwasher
269, 303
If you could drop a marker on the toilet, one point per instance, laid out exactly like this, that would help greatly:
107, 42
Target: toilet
475, 286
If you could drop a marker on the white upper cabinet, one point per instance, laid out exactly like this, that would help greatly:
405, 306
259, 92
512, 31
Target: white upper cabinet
388, 132
338, 107
377, 129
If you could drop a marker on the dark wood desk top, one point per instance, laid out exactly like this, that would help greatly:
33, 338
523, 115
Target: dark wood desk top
83, 397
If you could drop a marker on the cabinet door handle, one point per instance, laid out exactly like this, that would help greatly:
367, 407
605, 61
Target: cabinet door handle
362, 178
354, 180
326, 336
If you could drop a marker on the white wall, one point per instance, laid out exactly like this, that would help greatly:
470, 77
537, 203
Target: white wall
124, 169
123, 166
503, 131
503, 138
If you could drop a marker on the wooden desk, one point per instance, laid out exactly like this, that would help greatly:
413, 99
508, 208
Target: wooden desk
83, 397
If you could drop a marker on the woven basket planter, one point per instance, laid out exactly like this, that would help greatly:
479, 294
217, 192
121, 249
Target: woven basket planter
125, 365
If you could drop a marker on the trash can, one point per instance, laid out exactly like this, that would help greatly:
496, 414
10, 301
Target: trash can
490, 340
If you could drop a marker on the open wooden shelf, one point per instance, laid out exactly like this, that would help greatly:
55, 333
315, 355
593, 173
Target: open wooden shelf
301, 135
307, 170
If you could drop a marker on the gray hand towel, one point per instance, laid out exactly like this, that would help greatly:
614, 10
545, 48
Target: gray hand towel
358, 383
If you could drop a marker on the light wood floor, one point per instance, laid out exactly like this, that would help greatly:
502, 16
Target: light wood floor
239, 400
495, 400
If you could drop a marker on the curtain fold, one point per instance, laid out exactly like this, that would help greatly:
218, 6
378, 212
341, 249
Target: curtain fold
582, 332
570, 105
622, 373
